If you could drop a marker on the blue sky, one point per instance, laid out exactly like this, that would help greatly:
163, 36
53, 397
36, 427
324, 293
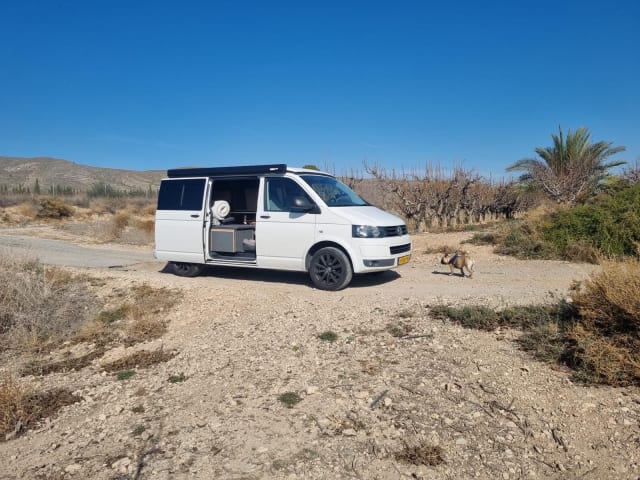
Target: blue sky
156, 85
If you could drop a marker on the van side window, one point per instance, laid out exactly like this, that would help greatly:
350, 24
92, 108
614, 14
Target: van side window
181, 194
280, 192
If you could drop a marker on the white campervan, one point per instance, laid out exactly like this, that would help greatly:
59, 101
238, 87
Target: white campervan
272, 216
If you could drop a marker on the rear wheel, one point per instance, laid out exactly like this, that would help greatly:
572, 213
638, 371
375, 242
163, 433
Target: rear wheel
186, 269
330, 269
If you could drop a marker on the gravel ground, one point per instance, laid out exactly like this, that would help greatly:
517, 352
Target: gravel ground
246, 336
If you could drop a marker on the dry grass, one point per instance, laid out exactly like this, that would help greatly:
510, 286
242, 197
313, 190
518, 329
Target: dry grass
21, 408
597, 334
146, 225
144, 329
139, 318
141, 359
605, 345
12, 403
40, 307
27, 210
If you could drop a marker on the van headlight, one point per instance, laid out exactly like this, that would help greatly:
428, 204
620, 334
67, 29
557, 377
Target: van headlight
366, 231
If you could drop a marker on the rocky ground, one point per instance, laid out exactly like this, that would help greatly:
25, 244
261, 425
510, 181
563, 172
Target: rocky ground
460, 403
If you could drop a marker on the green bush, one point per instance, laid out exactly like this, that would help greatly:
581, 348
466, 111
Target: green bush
611, 225
608, 226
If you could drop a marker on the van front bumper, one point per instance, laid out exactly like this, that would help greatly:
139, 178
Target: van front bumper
382, 256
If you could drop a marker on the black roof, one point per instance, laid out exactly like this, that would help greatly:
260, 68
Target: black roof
223, 171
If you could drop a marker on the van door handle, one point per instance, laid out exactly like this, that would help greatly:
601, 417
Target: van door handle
265, 216
195, 215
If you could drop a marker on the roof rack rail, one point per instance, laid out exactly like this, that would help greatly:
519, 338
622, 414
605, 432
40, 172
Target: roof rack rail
221, 171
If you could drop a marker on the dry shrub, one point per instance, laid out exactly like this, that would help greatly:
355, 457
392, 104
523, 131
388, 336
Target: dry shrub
149, 209
53, 207
582, 251
609, 302
27, 209
606, 360
119, 222
147, 226
12, 404
66, 365
144, 329
40, 306
141, 359
430, 455
605, 346
18, 406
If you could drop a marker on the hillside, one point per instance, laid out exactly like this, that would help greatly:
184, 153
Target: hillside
52, 171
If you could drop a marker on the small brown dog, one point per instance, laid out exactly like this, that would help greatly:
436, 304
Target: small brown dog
459, 260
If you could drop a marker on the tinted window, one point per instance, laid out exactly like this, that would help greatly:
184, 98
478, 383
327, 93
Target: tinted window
181, 194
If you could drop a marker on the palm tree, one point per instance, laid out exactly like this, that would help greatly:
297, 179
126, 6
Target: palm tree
571, 169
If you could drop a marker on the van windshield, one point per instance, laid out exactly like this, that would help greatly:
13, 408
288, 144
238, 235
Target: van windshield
333, 192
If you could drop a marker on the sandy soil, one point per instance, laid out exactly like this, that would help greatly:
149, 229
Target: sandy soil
246, 336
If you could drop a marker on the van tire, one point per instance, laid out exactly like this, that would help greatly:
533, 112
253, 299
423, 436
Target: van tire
186, 269
330, 269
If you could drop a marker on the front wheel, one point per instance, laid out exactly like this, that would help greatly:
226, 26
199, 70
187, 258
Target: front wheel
330, 269
186, 269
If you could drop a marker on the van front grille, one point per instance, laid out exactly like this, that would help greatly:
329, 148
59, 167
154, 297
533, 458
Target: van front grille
395, 231
400, 248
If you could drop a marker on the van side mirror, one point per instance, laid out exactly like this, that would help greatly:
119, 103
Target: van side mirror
302, 204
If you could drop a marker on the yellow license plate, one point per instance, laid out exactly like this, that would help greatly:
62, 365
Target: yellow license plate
403, 260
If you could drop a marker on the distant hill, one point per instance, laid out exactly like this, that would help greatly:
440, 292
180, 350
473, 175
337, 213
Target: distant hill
16, 171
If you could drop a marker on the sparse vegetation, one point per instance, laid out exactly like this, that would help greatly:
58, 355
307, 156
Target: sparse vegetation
598, 334
39, 367
608, 226
125, 374
425, 454
399, 329
177, 378
20, 408
40, 307
141, 359
138, 430
328, 336
289, 398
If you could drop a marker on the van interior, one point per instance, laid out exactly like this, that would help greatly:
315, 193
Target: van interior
232, 236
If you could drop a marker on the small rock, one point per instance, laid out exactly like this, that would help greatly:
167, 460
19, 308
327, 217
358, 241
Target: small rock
387, 402
361, 395
73, 468
349, 432
311, 389
461, 441
262, 450
102, 417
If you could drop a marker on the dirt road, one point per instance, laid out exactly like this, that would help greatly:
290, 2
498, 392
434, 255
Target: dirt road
246, 336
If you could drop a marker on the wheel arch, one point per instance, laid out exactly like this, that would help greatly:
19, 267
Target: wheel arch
323, 244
